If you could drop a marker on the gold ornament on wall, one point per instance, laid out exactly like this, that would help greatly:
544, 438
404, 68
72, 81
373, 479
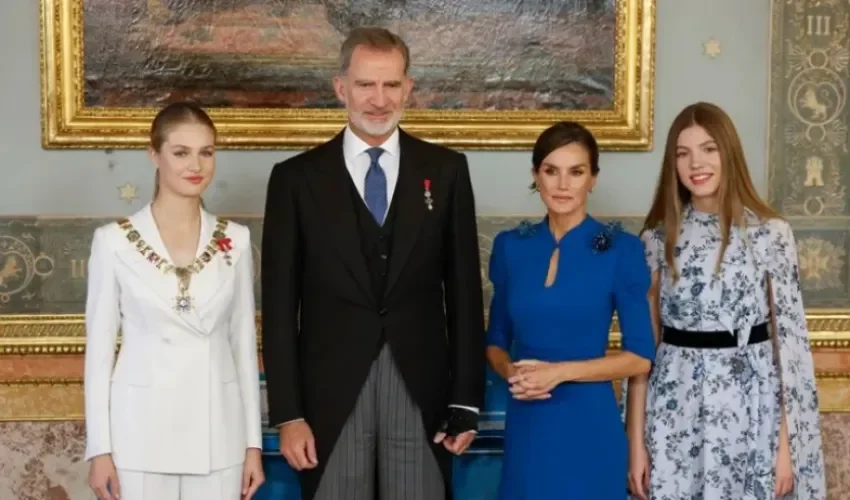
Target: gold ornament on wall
128, 192
711, 48
815, 186
22, 266
820, 262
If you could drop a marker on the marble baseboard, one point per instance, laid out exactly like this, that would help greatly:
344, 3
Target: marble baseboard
43, 461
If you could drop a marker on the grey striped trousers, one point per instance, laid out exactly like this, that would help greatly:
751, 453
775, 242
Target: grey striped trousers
385, 430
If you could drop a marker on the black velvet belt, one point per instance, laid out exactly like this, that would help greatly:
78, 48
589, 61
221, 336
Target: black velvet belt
712, 340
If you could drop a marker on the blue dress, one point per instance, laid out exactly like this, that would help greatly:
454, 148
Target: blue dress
572, 446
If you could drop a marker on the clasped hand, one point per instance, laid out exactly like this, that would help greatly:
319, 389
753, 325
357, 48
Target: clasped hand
531, 379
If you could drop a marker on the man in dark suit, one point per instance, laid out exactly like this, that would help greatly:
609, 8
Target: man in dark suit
373, 334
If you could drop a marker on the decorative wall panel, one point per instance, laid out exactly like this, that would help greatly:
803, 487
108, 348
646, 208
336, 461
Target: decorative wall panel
809, 160
808, 175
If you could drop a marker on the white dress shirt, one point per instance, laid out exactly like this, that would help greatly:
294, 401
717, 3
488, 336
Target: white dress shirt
357, 160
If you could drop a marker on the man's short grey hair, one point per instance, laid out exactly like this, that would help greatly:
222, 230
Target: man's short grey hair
374, 38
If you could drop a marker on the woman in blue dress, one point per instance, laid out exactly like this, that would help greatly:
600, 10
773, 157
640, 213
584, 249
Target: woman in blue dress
730, 411
556, 285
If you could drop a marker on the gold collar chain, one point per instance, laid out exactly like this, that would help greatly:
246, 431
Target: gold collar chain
182, 301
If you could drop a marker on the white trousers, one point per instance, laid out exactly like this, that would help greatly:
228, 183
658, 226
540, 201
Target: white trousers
224, 484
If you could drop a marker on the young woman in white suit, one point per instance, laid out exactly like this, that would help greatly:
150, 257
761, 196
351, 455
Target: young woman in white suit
177, 414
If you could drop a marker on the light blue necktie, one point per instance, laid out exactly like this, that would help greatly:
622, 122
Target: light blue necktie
375, 190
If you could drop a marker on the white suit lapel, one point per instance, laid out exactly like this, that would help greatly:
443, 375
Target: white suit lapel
147, 255
217, 271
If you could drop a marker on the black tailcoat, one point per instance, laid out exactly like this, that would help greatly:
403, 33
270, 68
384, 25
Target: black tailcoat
325, 316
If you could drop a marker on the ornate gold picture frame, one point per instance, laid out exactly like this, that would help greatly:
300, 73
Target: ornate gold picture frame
78, 113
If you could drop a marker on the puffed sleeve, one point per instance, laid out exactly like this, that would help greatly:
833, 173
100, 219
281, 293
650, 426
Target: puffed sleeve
499, 329
799, 388
631, 287
653, 244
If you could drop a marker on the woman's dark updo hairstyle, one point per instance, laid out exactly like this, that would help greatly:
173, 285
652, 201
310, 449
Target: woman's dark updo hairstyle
563, 134
176, 113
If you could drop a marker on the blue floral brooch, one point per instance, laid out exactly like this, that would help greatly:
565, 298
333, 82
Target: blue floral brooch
525, 228
604, 239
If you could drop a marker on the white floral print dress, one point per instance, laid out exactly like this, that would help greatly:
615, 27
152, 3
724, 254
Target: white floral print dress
712, 422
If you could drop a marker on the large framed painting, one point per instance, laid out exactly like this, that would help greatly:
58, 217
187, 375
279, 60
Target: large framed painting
489, 74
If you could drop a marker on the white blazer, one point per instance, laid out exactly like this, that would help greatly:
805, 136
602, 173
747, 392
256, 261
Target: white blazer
183, 396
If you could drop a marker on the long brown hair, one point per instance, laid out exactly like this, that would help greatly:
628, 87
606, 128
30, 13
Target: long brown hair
736, 193
176, 113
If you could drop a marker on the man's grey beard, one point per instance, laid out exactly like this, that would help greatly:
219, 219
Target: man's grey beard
375, 129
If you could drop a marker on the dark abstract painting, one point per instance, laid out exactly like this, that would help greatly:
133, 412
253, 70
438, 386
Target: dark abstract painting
488, 74
466, 54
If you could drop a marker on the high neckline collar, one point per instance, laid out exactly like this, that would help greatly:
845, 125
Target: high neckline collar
692, 213
577, 231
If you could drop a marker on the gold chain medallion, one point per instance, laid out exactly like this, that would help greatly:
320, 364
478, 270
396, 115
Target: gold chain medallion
218, 242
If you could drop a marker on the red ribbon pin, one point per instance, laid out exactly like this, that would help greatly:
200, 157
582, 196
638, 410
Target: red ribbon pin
428, 201
224, 244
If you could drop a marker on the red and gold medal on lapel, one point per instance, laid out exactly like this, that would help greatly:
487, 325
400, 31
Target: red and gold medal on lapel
218, 242
224, 244
429, 202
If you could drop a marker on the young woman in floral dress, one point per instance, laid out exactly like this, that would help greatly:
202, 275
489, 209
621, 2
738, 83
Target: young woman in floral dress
730, 410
